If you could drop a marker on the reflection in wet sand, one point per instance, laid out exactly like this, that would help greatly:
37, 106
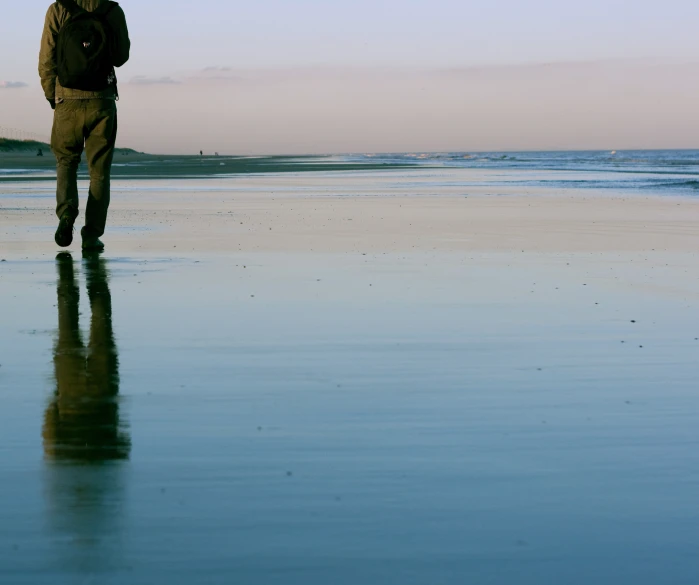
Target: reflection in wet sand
84, 439
82, 421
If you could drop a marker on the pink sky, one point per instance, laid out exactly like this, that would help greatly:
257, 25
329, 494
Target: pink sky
601, 105
383, 75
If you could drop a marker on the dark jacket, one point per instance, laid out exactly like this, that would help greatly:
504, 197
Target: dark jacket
55, 18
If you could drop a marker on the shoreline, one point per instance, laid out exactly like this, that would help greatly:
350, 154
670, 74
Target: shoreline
149, 166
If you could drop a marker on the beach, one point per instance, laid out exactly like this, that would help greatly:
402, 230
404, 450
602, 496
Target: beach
303, 371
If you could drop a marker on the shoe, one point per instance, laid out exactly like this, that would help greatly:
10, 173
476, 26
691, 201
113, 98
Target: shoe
91, 242
64, 232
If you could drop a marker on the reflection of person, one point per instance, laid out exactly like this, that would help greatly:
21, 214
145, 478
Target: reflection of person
85, 444
82, 421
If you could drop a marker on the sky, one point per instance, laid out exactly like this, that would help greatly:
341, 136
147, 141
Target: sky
308, 76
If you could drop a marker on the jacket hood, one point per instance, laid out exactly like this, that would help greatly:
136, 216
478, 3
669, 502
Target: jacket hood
89, 5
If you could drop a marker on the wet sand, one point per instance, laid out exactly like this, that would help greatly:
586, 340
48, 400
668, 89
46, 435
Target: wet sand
366, 377
359, 211
23, 166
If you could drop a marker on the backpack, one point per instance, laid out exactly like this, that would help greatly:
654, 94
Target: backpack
83, 48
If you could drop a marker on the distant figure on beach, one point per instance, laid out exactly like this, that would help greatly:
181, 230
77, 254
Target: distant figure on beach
39, 152
82, 43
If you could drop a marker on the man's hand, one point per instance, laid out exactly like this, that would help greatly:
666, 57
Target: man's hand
52, 103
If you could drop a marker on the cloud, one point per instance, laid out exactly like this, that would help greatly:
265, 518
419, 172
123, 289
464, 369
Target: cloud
12, 84
269, 76
143, 80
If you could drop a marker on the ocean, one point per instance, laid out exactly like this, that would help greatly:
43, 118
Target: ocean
648, 171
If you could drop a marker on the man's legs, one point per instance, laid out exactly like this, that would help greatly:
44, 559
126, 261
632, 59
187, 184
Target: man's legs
100, 138
67, 141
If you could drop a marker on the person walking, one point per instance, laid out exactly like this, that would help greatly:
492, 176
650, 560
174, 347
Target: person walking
83, 41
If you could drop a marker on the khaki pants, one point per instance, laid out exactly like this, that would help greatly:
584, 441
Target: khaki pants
91, 125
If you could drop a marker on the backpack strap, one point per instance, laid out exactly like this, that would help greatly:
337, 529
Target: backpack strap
71, 6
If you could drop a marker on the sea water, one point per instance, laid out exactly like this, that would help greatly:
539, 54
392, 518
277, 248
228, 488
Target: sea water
646, 171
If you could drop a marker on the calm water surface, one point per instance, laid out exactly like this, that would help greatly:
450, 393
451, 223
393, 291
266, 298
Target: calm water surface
346, 419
